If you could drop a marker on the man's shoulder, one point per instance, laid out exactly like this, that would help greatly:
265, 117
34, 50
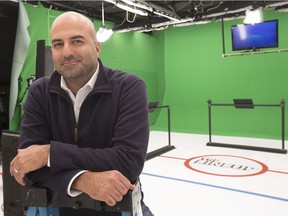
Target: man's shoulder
121, 76
44, 85
40, 82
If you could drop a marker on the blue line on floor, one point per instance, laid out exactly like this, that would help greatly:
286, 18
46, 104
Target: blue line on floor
216, 186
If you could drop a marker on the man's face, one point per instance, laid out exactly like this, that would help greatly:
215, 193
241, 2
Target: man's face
74, 49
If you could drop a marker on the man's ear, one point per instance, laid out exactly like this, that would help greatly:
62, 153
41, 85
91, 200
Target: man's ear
98, 47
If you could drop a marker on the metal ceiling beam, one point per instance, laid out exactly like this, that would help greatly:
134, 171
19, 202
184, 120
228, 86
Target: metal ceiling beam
164, 11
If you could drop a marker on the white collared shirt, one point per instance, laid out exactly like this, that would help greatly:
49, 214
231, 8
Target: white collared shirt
77, 102
81, 94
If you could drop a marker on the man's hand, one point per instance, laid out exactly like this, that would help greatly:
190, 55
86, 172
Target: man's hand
109, 186
32, 158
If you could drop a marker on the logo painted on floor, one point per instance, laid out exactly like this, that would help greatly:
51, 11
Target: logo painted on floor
226, 165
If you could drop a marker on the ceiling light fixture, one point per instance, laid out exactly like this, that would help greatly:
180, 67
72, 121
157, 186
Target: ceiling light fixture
277, 4
128, 8
281, 10
168, 23
132, 9
130, 29
192, 23
254, 16
165, 15
156, 26
138, 4
103, 34
227, 12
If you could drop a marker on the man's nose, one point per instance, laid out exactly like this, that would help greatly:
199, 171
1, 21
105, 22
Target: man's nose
67, 51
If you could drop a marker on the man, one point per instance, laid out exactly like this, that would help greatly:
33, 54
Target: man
86, 128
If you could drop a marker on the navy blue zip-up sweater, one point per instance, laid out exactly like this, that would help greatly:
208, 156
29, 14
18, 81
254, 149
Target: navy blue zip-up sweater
113, 128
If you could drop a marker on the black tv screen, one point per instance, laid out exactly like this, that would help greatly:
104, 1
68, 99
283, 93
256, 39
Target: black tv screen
256, 36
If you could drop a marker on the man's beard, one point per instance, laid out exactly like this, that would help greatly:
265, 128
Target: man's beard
77, 72
72, 72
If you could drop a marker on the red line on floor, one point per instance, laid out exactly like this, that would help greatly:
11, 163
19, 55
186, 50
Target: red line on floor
278, 171
177, 158
173, 157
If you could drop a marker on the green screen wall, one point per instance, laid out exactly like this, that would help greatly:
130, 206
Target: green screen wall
196, 72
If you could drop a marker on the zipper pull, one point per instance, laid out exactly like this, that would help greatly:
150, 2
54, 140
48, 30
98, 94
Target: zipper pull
75, 135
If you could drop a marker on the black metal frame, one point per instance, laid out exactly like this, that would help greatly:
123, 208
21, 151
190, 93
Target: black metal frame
256, 148
44, 63
168, 147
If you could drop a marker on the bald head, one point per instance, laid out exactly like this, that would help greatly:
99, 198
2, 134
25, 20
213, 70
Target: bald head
73, 19
75, 50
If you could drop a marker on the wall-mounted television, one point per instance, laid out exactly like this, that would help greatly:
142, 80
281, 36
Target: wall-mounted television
255, 36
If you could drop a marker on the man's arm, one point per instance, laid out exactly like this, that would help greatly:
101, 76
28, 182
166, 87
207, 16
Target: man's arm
108, 186
27, 160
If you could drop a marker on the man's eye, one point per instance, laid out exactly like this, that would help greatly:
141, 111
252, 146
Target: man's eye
57, 45
77, 42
